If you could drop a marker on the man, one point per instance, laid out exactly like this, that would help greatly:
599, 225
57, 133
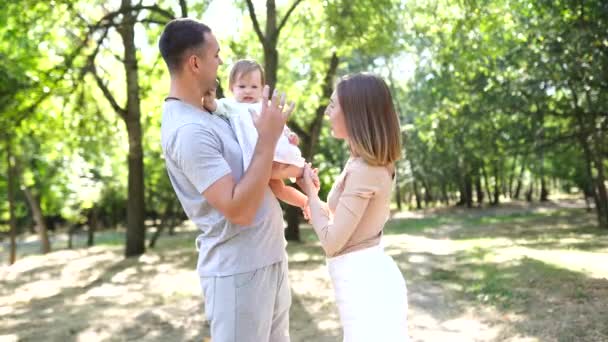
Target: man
242, 262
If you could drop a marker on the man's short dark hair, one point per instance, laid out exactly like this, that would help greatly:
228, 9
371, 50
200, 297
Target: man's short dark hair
178, 37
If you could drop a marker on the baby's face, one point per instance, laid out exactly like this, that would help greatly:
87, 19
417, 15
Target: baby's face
248, 87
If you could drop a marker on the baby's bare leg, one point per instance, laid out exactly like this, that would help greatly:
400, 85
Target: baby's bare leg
282, 171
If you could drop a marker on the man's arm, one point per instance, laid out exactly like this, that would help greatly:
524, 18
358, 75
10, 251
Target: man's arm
240, 201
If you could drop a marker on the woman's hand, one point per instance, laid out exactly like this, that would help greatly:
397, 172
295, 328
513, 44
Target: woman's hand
310, 181
306, 212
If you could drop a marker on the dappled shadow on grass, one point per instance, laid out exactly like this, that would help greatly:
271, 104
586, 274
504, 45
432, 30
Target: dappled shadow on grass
533, 298
313, 312
549, 229
474, 221
565, 229
417, 226
100, 296
487, 267
69, 303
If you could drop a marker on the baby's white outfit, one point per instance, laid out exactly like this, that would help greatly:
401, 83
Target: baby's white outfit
247, 135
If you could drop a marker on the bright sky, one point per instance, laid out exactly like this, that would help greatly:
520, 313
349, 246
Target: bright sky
224, 19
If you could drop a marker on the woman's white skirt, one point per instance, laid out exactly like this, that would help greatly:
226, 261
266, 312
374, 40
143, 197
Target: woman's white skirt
371, 296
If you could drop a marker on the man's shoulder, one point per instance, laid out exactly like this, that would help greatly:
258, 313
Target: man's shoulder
180, 121
177, 113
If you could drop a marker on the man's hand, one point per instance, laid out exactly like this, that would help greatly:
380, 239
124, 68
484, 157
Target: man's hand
209, 101
273, 116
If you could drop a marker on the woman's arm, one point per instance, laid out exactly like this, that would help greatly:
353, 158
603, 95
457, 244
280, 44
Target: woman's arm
334, 233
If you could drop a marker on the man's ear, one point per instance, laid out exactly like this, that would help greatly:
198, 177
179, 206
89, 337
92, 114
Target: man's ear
192, 62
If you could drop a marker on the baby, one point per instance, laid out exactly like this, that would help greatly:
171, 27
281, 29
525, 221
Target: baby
246, 82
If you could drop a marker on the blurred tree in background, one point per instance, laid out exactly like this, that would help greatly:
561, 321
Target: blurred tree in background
499, 100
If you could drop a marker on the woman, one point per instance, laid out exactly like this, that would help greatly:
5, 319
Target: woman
370, 290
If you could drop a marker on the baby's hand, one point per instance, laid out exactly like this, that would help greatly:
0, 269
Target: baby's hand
293, 139
209, 101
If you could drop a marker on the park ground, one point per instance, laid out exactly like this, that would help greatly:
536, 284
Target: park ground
517, 272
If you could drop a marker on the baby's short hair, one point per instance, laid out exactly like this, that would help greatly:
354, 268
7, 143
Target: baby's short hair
243, 67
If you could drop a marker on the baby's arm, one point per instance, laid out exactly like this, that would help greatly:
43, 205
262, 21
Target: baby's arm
283, 171
288, 194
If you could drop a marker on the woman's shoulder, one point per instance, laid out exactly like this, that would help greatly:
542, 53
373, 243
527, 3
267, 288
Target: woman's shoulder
358, 166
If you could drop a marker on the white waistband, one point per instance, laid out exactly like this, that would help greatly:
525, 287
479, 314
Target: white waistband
359, 254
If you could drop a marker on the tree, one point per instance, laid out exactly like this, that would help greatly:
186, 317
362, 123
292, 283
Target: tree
124, 21
362, 33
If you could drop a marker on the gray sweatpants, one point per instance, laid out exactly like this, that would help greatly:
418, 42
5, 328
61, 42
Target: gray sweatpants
251, 306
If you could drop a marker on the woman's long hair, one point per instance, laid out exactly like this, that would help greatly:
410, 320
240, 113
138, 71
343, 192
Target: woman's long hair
371, 121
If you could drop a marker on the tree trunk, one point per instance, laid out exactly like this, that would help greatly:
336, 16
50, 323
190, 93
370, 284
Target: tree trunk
11, 201
479, 190
271, 55
93, 222
269, 40
468, 186
165, 220
418, 197
478, 187
587, 193
487, 183
520, 179
544, 192
428, 197
496, 185
271, 62
512, 177
292, 216
444, 194
156, 235
310, 140
41, 227
71, 231
530, 192
136, 230
397, 190
602, 195
184, 8
594, 183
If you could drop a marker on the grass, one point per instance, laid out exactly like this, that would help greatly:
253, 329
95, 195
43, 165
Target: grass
416, 225
529, 274
543, 268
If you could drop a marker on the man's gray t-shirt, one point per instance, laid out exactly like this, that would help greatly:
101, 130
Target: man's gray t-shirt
200, 148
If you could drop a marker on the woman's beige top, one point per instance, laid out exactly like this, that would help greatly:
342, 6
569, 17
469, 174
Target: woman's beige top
358, 206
